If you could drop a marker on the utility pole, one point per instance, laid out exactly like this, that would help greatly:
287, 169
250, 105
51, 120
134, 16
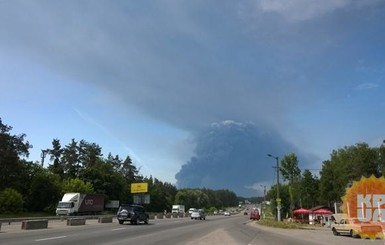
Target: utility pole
278, 200
264, 200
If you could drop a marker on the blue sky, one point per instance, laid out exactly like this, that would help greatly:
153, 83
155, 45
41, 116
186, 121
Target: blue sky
145, 79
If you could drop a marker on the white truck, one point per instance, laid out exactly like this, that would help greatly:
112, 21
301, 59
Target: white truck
80, 203
178, 209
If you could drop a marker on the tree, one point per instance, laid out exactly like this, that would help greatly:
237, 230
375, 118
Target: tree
55, 155
161, 194
284, 195
192, 198
89, 153
129, 171
12, 148
11, 201
346, 165
44, 192
70, 160
291, 172
106, 180
78, 185
309, 189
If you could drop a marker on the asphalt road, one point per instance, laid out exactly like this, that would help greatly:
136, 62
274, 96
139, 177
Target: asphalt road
234, 230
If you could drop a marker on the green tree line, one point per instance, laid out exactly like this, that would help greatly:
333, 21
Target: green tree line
346, 165
79, 166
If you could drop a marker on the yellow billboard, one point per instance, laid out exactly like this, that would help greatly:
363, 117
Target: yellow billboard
139, 187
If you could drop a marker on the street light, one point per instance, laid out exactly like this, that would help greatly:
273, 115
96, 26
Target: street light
264, 200
278, 199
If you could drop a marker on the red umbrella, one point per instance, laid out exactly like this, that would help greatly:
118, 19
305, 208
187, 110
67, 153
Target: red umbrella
322, 211
302, 211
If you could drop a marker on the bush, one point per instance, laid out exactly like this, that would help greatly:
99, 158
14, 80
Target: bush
11, 201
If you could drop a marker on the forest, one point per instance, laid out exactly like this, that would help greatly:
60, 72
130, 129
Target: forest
79, 166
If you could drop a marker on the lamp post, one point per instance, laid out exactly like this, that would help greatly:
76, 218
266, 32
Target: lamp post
278, 199
264, 200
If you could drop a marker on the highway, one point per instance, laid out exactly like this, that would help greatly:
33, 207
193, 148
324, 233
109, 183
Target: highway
237, 229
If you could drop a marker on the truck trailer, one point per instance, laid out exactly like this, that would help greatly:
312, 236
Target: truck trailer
80, 203
178, 209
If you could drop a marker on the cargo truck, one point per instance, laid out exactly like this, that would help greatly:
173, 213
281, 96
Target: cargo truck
178, 209
80, 203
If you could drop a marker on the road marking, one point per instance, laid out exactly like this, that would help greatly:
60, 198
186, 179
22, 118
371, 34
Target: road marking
118, 229
50, 238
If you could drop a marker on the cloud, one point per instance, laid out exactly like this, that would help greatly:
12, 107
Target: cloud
185, 64
233, 155
301, 10
366, 86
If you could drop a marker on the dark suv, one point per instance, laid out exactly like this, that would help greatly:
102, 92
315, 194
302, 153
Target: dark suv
132, 213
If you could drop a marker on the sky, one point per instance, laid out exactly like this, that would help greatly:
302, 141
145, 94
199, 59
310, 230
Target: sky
198, 92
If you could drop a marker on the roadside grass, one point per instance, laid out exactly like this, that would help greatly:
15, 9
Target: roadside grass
283, 224
269, 220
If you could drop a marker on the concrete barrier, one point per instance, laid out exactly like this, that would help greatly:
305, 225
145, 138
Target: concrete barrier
105, 219
151, 216
159, 216
76, 221
34, 224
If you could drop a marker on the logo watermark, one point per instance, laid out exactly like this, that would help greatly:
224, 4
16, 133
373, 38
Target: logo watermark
364, 205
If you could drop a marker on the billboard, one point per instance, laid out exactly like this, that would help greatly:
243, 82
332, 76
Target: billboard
139, 187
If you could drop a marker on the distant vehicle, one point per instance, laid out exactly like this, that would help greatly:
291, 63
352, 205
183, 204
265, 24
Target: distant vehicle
254, 214
191, 210
80, 203
226, 213
198, 214
178, 209
133, 213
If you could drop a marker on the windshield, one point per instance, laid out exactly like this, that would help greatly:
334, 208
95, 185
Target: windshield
65, 205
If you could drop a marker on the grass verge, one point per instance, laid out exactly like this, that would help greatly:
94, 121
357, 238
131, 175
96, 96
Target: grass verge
283, 224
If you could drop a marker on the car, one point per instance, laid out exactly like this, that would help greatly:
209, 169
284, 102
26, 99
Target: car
132, 213
198, 214
226, 213
191, 210
355, 228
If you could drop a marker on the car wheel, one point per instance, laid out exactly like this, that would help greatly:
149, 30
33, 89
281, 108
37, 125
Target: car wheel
134, 222
146, 221
121, 222
354, 234
335, 232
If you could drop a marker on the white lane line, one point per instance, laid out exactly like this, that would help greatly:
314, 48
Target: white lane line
118, 229
50, 238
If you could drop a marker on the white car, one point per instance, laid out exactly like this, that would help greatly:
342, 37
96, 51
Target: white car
198, 214
226, 213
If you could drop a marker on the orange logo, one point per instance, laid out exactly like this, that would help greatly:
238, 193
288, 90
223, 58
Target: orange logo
365, 203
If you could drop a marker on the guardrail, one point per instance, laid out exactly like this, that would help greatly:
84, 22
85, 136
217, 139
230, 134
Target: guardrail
102, 218
13, 220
